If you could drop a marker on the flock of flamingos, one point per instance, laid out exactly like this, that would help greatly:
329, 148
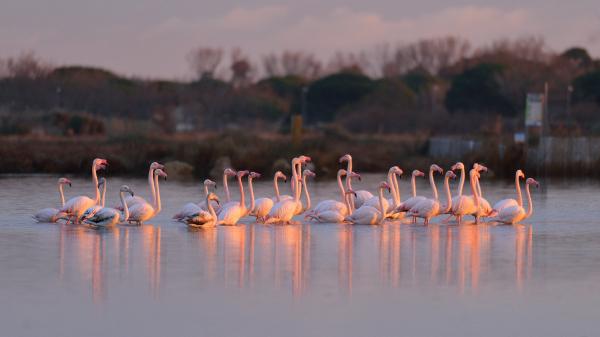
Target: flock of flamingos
358, 207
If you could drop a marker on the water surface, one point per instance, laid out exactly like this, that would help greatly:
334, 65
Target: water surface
540, 278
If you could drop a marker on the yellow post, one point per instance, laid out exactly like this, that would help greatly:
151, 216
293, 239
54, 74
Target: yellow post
296, 129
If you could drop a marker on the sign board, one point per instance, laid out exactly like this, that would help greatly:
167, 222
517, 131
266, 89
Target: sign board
533, 110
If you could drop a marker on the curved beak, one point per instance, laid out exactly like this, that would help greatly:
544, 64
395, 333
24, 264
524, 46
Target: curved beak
132, 194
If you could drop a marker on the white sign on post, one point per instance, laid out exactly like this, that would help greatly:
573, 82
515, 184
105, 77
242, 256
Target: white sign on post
533, 110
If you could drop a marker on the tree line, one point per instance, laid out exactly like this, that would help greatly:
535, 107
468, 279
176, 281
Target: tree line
440, 85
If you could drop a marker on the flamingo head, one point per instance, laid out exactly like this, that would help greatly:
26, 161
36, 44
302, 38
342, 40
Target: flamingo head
101, 182
531, 181
100, 164
126, 189
309, 173
396, 170
254, 175
436, 168
450, 174
384, 185
240, 174
350, 191
156, 166
417, 173
210, 183
214, 197
304, 159
64, 181
345, 158
160, 173
228, 172
480, 168
520, 174
355, 175
280, 175
458, 166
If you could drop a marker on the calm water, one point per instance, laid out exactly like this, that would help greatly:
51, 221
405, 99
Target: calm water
541, 278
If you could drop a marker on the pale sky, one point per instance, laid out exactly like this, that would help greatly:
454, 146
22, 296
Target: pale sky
151, 38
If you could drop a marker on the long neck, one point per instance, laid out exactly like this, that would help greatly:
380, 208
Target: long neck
242, 197
413, 183
448, 195
276, 187
125, 208
62, 194
397, 187
474, 190
151, 184
157, 205
519, 194
530, 207
349, 175
393, 182
479, 188
341, 186
348, 205
227, 195
103, 194
462, 182
95, 182
298, 188
306, 193
205, 190
432, 183
381, 207
251, 188
211, 210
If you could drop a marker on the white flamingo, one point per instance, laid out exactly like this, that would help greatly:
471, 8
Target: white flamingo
333, 215
361, 195
92, 210
485, 204
388, 203
131, 200
409, 203
299, 161
516, 213
202, 218
331, 205
53, 214
75, 207
263, 206
226, 174
192, 208
305, 174
108, 217
229, 216
251, 177
430, 208
283, 211
511, 202
142, 211
367, 215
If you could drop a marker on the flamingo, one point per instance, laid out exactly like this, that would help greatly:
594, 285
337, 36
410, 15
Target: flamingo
511, 202
334, 205
92, 210
143, 211
367, 215
333, 215
251, 177
230, 215
459, 190
298, 168
361, 195
306, 173
108, 217
53, 214
409, 203
191, 208
374, 201
516, 213
429, 208
202, 218
484, 203
284, 210
131, 200
262, 206
75, 207
226, 174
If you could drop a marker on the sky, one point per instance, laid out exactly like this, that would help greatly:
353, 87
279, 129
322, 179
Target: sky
151, 38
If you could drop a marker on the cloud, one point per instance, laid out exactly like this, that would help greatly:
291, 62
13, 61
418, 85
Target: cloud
243, 18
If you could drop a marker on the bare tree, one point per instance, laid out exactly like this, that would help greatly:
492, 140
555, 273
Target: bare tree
348, 62
292, 63
26, 65
241, 68
204, 61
